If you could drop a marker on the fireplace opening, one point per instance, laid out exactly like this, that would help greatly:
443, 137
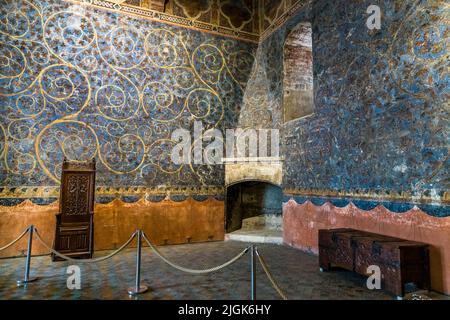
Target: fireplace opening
253, 206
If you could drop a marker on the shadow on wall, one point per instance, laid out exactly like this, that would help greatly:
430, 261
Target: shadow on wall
249, 199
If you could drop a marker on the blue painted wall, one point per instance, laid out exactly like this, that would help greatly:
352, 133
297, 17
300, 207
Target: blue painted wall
381, 99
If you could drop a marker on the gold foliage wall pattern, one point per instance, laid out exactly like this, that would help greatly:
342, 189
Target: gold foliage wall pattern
80, 82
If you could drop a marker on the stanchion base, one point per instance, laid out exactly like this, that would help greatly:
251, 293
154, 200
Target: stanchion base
25, 282
132, 290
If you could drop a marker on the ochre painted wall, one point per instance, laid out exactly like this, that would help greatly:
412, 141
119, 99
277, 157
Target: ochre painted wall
164, 222
380, 127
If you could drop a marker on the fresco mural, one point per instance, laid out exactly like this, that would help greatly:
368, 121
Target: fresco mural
380, 133
81, 82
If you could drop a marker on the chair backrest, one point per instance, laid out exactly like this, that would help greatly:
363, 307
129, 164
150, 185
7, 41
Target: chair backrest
77, 194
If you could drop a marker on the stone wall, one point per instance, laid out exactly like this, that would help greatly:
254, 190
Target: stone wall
374, 156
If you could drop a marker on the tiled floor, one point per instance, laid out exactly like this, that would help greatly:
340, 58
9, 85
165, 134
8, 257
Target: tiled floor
296, 272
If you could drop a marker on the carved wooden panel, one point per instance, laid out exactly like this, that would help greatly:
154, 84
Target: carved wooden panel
74, 222
76, 202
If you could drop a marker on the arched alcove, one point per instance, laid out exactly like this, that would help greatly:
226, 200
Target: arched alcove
252, 198
298, 95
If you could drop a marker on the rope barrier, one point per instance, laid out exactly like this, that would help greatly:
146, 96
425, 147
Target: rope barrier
38, 236
138, 288
193, 271
269, 275
15, 240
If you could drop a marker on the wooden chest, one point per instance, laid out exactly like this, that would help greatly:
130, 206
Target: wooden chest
400, 261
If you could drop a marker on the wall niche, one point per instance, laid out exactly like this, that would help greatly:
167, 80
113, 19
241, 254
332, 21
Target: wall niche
298, 95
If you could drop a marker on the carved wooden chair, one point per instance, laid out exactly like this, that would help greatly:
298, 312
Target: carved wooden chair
74, 234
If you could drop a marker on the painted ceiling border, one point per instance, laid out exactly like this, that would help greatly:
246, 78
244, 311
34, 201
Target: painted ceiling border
168, 19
